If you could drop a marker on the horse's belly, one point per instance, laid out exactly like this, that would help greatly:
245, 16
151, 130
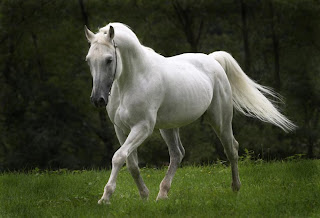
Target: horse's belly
185, 101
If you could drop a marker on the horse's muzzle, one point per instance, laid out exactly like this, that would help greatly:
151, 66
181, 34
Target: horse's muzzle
99, 102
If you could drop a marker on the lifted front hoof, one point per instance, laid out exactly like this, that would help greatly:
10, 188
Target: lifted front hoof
103, 201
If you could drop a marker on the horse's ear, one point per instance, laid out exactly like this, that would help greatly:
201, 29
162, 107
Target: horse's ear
111, 33
89, 34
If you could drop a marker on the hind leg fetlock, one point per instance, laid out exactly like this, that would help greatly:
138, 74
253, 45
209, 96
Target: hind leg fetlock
236, 184
232, 154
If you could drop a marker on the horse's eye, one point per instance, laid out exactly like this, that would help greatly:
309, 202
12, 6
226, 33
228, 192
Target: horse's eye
109, 60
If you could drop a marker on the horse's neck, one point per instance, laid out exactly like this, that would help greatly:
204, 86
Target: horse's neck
134, 60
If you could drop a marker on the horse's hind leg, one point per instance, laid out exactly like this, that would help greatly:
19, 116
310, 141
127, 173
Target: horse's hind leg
220, 115
176, 152
132, 165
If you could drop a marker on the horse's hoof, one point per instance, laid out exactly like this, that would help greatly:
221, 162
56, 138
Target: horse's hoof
103, 201
236, 187
162, 197
144, 194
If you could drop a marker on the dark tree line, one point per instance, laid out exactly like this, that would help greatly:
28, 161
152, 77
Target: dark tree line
47, 121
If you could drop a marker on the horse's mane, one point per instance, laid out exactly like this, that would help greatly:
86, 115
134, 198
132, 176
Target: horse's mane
124, 29
116, 25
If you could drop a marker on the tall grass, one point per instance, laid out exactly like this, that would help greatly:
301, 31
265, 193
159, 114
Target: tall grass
277, 189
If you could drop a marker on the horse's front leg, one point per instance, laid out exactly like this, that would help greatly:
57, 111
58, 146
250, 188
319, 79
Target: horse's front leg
133, 167
136, 136
132, 164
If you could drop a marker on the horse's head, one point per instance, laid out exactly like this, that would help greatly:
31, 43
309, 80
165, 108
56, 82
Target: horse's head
102, 59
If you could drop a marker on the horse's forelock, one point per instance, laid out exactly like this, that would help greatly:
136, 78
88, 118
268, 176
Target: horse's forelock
101, 38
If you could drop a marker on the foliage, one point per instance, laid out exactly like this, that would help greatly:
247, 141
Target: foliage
46, 119
276, 189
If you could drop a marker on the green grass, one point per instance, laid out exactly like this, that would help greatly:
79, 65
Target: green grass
276, 189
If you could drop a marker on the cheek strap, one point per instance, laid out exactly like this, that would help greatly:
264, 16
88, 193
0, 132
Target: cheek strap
115, 70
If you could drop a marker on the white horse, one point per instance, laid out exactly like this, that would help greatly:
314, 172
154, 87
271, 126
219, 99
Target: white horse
147, 91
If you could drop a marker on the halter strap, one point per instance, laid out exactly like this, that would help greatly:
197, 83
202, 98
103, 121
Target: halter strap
115, 70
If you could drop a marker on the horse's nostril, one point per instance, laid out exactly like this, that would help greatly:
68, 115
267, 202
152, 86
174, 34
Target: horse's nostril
101, 101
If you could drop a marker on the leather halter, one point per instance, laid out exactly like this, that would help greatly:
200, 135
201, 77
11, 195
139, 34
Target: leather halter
115, 70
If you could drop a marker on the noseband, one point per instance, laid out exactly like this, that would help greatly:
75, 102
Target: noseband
115, 70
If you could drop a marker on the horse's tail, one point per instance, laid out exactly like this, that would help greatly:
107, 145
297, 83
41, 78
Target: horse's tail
248, 96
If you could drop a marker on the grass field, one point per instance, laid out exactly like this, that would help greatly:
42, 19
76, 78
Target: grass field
276, 189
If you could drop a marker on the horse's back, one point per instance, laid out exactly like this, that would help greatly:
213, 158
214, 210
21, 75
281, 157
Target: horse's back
205, 63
